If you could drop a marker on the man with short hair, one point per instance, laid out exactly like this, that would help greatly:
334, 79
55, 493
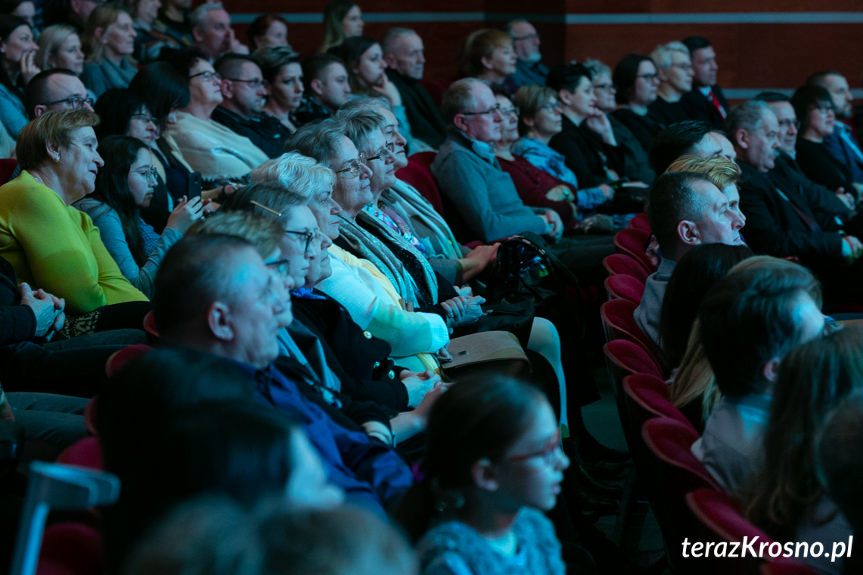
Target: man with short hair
215, 294
674, 67
326, 88
55, 89
749, 321
405, 57
841, 144
688, 138
529, 69
212, 32
705, 102
685, 210
243, 98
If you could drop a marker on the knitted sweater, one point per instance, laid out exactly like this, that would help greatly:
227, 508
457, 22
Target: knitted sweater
453, 548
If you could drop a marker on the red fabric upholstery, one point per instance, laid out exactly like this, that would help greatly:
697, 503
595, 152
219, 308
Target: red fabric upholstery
84, 453
70, 549
418, 174
647, 397
624, 264
624, 287
617, 317
633, 242
7, 166
627, 357
120, 359
641, 222
150, 325
671, 442
721, 513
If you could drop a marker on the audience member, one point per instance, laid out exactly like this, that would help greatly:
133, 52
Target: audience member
789, 126
529, 69
488, 55
174, 18
124, 186
50, 244
267, 30
748, 322
218, 153
635, 162
17, 67
60, 47
326, 87
74, 12
405, 58
705, 102
675, 80
686, 138
244, 94
283, 78
493, 464
785, 497
841, 144
685, 209
722, 173
212, 32
24, 9
342, 19
814, 107
55, 90
151, 35
637, 81
109, 44
587, 140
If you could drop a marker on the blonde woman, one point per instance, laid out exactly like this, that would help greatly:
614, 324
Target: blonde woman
109, 42
60, 47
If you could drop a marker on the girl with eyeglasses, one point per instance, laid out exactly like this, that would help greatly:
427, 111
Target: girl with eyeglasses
493, 464
124, 186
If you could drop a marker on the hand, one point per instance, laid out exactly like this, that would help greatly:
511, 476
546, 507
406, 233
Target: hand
851, 247
600, 124
477, 260
552, 218
430, 398
43, 307
59, 307
234, 45
846, 198
559, 193
186, 213
388, 90
455, 309
607, 191
28, 65
418, 385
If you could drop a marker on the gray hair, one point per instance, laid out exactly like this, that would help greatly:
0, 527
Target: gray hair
596, 68
319, 140
509, 25
360, 124
367, 103
296, 174
661, 55
392, 35
199, 15
458, 98
747, 116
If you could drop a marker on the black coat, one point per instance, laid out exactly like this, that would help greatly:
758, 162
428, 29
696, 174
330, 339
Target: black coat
423, 114
587, 155
820, 166
17, 322
698, 107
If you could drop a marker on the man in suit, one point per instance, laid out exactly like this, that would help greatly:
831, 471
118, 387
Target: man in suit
705, 101
405, 58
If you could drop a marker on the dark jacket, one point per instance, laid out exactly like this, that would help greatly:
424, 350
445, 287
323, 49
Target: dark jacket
698, 107
636, 164
586, 154
644, 128
265, 131
423, 114
820, 167
667, 112
17, 322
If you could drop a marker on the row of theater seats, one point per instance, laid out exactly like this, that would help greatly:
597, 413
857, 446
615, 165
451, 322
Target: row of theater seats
685, 499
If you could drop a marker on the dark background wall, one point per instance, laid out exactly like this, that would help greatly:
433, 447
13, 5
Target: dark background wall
760, 44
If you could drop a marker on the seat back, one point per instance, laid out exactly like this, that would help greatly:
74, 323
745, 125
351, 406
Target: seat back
120, 359
623, 264
626, 357
640, 222
85, 453
647, 397
7, 168
619, 321
671, 441
624, 287
71, 549
633, 242
418, 174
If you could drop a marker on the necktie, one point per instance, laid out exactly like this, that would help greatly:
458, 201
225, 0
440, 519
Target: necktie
716, 103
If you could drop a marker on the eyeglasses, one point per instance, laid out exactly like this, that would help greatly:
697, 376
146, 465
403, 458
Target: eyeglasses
513, 111
352, 168
387, 150
73, 102
788, 123
683, 66
492, 110
533, 36
550, 105
148, 173
309, 237
207, 76
648, 77
609, 87
281, 267
145, 118
547, 453
253, 84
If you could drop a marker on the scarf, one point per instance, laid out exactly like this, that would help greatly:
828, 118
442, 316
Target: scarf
418, 212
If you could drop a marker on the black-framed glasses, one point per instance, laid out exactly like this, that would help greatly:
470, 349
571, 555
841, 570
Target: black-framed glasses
253, 84
352, 168
281, 267
309, 237
207, 76
74, 102
387, 149
492, 110
145, 118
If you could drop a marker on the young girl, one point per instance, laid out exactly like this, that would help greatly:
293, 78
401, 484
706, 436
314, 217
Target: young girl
493, 465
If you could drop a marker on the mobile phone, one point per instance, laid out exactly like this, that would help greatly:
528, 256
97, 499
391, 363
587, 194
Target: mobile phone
195, 185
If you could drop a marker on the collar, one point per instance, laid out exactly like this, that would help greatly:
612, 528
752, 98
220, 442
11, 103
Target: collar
221, 110
481, 149
306, 293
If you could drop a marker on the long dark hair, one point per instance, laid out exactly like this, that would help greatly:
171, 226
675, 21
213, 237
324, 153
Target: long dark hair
625, 76
9, 24
112, 188
475, 419
813, 379
116, 108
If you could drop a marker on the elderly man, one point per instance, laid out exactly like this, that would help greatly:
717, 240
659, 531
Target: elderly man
685, 210
212, 32
675, 80
841, 144
243, 98
326, 88
215, 294
529, 69
405, 58
55, 89
705, 102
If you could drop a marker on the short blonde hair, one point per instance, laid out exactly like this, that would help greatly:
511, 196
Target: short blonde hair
262, 232
721, 171
296, 174
661, 55
478, 45
50, 41
102, 17
50, 128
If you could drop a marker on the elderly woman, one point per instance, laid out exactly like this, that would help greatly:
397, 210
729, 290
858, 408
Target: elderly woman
151, 35
50, 244
488, 55
637, 81
60, 47
219, 154
283, 77
109, 42
17, 66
